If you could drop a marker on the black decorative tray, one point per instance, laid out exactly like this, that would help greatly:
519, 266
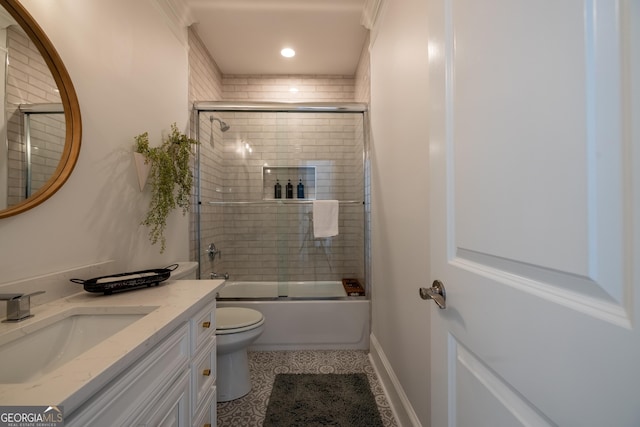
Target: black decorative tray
126, 281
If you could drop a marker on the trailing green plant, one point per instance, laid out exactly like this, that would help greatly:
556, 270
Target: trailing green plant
170, 177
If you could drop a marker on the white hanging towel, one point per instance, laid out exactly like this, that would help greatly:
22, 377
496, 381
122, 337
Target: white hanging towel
325, 218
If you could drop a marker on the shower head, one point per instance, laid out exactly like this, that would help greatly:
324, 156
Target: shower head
223, 126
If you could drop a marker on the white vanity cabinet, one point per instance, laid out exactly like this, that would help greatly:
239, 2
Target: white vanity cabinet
173, 384
203, 367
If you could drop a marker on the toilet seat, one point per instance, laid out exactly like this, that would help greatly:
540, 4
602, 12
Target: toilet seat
233, 320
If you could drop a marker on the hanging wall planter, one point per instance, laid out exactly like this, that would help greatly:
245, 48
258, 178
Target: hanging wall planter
143, 167
170, 177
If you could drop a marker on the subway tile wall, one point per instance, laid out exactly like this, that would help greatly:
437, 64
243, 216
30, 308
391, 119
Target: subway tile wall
29, 81
269, 242
205, 84
294, 88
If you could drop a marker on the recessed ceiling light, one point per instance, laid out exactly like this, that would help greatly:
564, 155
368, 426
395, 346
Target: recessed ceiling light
287, 52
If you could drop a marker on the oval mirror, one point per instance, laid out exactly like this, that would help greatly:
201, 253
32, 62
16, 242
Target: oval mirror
41, 121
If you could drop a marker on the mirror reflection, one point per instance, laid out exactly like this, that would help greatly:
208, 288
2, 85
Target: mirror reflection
33, 123
40, 140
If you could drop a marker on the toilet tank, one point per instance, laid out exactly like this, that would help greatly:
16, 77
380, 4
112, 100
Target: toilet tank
187, 270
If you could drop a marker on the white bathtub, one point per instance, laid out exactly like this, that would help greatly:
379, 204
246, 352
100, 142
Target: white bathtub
304, 324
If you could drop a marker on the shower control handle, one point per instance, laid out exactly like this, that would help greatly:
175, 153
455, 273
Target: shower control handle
436, 293
213, 251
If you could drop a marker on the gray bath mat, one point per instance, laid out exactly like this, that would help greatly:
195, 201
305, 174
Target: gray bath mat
307, 400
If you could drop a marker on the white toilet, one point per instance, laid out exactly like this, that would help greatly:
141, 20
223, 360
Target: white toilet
236, 329
187, 270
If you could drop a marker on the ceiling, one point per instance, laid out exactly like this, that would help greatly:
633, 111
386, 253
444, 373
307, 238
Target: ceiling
246, 36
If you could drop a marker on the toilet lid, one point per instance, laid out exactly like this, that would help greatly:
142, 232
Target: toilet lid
236, 317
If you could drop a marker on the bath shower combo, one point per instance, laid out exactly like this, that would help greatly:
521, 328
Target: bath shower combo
274, 262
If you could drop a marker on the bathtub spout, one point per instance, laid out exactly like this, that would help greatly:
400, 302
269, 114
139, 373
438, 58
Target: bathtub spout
224, 276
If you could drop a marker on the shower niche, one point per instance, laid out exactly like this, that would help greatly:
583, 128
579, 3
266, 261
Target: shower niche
285, 174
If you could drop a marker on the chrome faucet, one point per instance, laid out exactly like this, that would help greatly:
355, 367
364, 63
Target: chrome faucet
213, 251
18, 306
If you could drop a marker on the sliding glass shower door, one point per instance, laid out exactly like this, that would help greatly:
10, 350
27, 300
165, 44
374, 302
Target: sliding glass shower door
259, 174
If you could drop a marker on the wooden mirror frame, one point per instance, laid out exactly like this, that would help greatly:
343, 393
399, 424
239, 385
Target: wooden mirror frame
73, 124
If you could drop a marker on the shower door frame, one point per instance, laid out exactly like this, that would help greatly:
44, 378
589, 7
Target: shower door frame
287, 107
27, 111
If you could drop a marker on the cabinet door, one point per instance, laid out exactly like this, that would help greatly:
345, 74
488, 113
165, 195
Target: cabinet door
139, 387
172, 410
207, 415
203, 373
203, 327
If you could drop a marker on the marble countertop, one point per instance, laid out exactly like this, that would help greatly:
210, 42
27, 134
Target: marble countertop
72, 383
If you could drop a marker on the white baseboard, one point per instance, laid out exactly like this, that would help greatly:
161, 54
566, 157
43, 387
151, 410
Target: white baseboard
400, 405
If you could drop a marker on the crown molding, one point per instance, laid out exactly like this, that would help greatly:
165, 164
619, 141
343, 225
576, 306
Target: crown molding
178, 15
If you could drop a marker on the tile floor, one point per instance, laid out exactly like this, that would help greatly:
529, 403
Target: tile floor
250, 410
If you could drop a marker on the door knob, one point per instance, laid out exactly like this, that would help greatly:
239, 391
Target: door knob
436, 292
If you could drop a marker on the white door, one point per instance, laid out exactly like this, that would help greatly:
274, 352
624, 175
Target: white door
535, 179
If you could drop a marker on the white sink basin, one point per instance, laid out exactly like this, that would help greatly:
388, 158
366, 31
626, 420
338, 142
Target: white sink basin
43, 345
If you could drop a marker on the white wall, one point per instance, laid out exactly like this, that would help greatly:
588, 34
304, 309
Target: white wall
400, 223
129, 69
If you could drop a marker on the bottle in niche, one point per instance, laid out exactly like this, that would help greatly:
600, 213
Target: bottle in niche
277, 190
300, 189
289, 190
